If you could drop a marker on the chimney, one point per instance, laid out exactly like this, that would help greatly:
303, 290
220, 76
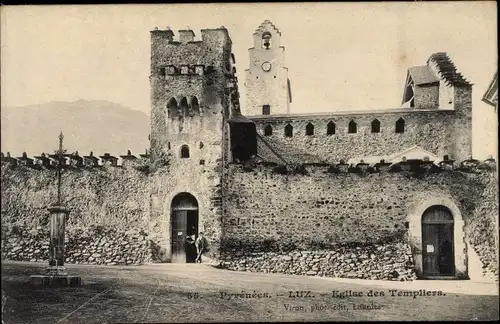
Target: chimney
186, 35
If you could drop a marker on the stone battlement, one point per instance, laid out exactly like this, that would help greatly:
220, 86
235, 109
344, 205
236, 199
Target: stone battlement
412, 166
74, 159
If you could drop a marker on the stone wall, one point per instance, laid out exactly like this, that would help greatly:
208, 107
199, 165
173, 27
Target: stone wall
271, 221
481, 228
108, 220
332, 208
94, 245
317, 210
429, 130
112, 197
384, 262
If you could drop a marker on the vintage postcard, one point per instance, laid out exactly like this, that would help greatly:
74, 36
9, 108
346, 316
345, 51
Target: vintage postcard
261, 162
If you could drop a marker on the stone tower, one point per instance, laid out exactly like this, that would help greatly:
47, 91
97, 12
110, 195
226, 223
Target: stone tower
193, 93
267, 85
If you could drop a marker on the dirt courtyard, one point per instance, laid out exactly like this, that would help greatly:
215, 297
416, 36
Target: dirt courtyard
199, 293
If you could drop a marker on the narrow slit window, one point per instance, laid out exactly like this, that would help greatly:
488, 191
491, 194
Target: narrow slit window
309, 129
400, 126
376, 126
185, 152
266, 110
288, 130
330, 128
353, 128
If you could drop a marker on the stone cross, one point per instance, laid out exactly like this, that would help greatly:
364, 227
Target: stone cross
58, 222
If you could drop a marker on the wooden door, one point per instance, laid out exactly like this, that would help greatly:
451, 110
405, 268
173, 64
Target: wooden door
179, 222
437, 242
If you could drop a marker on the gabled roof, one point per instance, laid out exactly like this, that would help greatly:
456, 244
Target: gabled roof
422, 75
448, 69
491, 94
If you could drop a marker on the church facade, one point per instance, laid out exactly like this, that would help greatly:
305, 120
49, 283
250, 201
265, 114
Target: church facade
381, 194
231, 172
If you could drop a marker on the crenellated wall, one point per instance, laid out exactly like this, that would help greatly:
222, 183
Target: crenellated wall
270, 217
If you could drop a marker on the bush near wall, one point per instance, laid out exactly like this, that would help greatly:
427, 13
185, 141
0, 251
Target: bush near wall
93, 245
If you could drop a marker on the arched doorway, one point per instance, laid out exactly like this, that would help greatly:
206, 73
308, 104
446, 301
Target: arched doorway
438, 242
184, 220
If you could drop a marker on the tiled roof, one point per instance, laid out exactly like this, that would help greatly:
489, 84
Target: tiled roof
448, 69
422, 75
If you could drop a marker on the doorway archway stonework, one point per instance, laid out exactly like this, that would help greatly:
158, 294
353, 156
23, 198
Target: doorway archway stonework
167, 216
415, 234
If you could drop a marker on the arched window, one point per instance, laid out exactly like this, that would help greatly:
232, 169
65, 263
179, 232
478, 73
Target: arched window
400, 125
375, 126
268, 130
195, 106
288, 130
266, 40
309, 129
185, 151
353, 128
171, 107
330, 128
183, 105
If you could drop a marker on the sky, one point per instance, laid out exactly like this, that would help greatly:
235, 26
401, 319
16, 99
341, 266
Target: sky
340, 56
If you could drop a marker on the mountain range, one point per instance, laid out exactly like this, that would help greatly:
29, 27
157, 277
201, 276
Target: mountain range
99, 126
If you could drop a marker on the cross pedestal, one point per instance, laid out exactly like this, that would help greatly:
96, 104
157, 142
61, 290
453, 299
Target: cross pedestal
56, 273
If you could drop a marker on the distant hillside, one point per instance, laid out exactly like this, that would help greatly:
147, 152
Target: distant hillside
98, 126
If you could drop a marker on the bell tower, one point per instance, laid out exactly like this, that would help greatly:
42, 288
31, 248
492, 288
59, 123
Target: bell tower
267, 85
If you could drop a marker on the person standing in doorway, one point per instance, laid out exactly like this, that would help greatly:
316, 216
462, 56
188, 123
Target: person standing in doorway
201, 246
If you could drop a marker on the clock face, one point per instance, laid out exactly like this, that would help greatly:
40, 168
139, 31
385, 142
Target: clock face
266, 66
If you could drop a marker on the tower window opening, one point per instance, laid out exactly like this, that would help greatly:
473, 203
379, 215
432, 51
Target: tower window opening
266, 40
353, 128
268, 130
288, 130
330, 128
162, 71
309, 129
183, 105
195, 106
266, 110
185, 152
400, 126
376, 126
172, 107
